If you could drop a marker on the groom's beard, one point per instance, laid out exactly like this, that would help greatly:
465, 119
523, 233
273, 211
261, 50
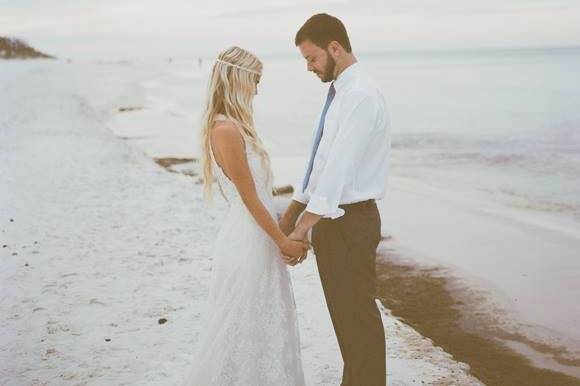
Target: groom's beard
328, 74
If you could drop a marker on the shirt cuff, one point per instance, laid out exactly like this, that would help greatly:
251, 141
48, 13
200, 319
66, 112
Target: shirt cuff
300, 197
319, 205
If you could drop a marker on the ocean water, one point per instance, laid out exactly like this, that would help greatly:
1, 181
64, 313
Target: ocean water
500, 125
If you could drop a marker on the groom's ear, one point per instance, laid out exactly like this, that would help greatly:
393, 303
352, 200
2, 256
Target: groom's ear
335, 49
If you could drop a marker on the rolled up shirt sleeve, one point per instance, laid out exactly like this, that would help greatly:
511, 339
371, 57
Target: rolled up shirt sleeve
298, 195
355, 130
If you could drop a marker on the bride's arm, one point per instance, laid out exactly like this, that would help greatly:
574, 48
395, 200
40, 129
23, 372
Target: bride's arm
229, 144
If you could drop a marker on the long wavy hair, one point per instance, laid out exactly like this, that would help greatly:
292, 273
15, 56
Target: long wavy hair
231, 92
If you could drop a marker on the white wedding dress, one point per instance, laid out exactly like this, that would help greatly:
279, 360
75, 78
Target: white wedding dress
249, 332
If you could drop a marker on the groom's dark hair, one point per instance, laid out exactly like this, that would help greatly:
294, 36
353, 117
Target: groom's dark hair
321, 29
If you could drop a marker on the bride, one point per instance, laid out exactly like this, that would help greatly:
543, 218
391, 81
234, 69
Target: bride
250, 331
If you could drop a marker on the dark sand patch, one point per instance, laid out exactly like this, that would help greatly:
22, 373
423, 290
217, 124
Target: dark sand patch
282, 190
423, 299
185, 166
170, 161
126, 109
169, 164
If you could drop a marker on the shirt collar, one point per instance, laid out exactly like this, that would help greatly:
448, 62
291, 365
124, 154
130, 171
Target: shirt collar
345, 76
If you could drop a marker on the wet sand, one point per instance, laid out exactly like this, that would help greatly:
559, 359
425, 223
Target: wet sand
423, 298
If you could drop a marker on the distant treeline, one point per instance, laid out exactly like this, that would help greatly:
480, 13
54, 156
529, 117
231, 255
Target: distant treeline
12, 48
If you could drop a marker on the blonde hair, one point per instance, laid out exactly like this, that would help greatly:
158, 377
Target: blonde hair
230, 92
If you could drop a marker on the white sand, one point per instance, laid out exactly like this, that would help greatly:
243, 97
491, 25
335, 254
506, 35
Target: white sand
104, 243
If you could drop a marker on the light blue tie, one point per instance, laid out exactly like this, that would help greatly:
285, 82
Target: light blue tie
329, 98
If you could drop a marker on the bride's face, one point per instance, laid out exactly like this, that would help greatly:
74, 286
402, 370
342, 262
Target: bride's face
318, 60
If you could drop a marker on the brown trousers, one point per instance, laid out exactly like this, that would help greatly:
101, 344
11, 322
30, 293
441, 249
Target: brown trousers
345, 250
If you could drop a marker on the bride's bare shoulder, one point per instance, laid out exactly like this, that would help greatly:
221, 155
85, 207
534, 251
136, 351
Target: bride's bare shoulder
226, 134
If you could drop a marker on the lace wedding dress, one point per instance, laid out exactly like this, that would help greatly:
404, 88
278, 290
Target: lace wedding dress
249, 331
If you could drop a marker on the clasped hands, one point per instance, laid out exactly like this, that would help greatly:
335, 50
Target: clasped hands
295, 247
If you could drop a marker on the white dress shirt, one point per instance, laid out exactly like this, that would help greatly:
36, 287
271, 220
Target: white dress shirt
351, 163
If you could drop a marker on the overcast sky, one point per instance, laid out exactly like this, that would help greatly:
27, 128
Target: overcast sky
102, 29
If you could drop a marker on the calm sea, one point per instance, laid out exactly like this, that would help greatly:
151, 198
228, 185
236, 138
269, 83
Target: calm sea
502, 125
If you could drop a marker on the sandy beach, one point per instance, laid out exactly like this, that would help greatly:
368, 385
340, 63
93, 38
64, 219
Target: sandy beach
104, 252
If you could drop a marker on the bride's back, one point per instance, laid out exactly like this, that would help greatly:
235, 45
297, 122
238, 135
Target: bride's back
226, 129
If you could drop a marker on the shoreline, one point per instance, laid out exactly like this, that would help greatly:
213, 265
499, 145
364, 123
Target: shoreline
430, 301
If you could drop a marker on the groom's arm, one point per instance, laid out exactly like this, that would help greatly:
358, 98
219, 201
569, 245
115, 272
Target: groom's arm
307, 221
297, 205
288, 220
298, 230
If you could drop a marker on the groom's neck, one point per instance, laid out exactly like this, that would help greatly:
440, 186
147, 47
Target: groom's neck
343, 63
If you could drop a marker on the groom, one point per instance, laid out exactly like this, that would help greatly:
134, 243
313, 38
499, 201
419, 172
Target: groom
346, 173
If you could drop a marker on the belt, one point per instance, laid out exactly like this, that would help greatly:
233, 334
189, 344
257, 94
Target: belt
358, 205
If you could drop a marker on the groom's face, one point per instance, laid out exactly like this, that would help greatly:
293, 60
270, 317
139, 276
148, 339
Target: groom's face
318, 60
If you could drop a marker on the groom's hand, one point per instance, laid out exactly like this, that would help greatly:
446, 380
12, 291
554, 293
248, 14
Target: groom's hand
287, 224
293, 260
295, 235
293, 250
